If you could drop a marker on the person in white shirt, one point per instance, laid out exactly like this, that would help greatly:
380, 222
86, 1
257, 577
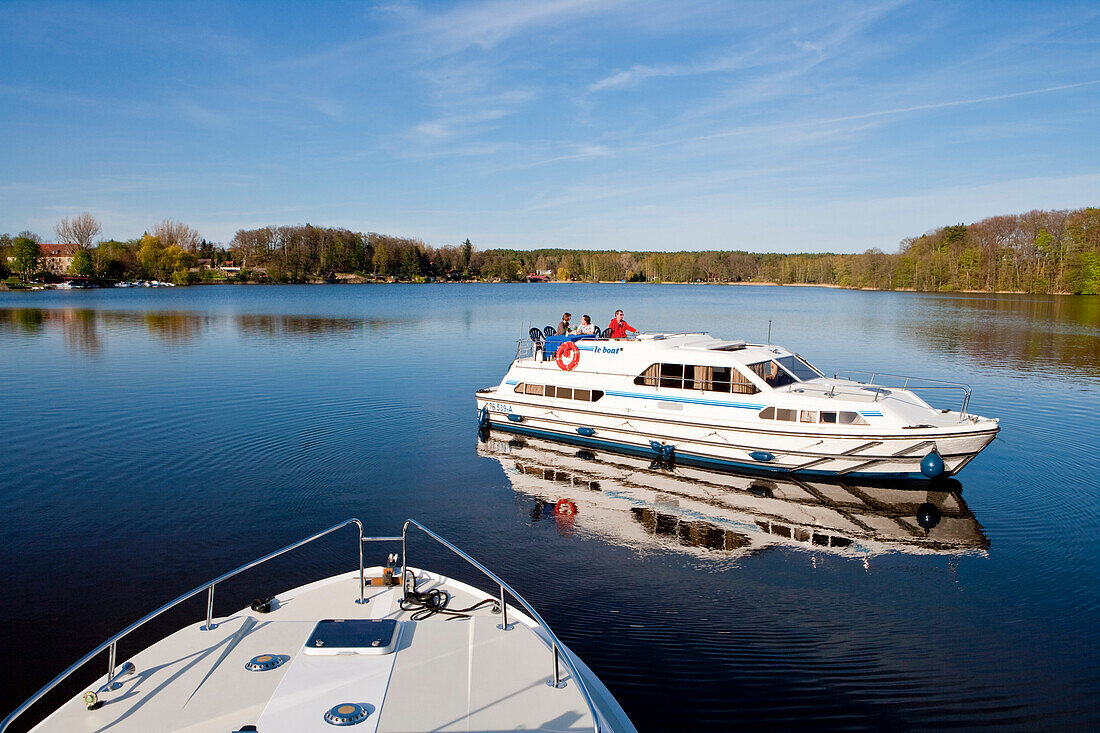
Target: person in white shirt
586, 326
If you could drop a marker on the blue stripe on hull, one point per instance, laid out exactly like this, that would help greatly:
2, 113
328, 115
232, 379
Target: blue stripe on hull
693, 459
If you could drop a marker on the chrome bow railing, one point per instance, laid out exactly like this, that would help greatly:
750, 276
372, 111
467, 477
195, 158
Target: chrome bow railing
556, 644
111, 644
910, 383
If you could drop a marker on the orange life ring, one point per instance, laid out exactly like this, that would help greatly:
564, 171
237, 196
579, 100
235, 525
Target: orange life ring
568, 356
565, 508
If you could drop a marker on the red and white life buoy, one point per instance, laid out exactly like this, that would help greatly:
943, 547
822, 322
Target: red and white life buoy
568, 356
565, 508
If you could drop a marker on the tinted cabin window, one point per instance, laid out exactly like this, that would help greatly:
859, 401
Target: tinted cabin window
772, 374
798, 367
564, 393
649, 377
548, 390
582, 394
534, 389
851, 418
768, 413
829, 417
597, 394
788, 415
672, 375
519, 388
688, 376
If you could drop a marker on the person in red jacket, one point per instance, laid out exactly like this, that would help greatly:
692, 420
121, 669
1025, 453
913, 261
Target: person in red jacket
619, 327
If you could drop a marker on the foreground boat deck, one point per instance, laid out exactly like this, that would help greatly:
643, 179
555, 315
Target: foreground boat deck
445, 674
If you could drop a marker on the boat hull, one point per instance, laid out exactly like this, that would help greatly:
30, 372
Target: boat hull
864, 454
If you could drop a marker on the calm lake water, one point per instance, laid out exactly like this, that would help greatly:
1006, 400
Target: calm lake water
151, 439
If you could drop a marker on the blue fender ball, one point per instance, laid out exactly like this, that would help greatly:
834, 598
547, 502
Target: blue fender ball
932, 465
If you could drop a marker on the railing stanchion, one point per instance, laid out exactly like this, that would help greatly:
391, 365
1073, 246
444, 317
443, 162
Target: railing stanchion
503, 611
362, 577
404, 560
557, 676
111, 660
209, 608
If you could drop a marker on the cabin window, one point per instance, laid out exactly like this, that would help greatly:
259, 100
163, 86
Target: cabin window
519, 388
851, 418
672, 375
772, 374
768, 413
562, 393
829, 417
808, 416
688, 376
649, 377
788, 415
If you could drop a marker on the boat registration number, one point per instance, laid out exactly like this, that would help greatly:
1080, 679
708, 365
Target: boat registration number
499, 407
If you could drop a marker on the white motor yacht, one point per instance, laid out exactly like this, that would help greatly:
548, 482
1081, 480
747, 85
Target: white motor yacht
375, 649
700, 400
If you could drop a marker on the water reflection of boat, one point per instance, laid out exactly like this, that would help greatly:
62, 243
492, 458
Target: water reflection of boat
635, 501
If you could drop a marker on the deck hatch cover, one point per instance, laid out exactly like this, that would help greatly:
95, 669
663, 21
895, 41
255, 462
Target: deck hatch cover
352, 636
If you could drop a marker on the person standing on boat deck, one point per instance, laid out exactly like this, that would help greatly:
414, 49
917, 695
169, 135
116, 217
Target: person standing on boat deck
619, 327
586, 326
563, 327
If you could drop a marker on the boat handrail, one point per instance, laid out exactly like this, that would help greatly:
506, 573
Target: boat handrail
906, 384
112, 644
556, 643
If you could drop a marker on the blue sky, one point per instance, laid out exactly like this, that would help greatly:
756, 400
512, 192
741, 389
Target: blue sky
771, 126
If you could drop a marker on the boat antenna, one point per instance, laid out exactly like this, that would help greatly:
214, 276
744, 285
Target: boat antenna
769, 332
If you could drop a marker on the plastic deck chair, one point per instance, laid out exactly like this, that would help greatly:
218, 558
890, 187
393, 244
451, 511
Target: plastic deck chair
550, 331
535, 334
606, 333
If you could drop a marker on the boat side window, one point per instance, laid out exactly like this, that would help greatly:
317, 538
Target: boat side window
720, 379
649, 377
519, 388
829, 417
562, 393
773, 413
808, 416
851, 418
772, 374
672, 375
689, 376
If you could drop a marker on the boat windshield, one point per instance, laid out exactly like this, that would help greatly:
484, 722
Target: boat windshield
799, 367
784, 370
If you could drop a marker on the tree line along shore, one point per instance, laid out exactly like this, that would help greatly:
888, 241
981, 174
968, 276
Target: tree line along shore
1036, 252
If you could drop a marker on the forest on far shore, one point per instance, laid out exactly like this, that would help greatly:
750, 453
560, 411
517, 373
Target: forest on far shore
1036, 252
